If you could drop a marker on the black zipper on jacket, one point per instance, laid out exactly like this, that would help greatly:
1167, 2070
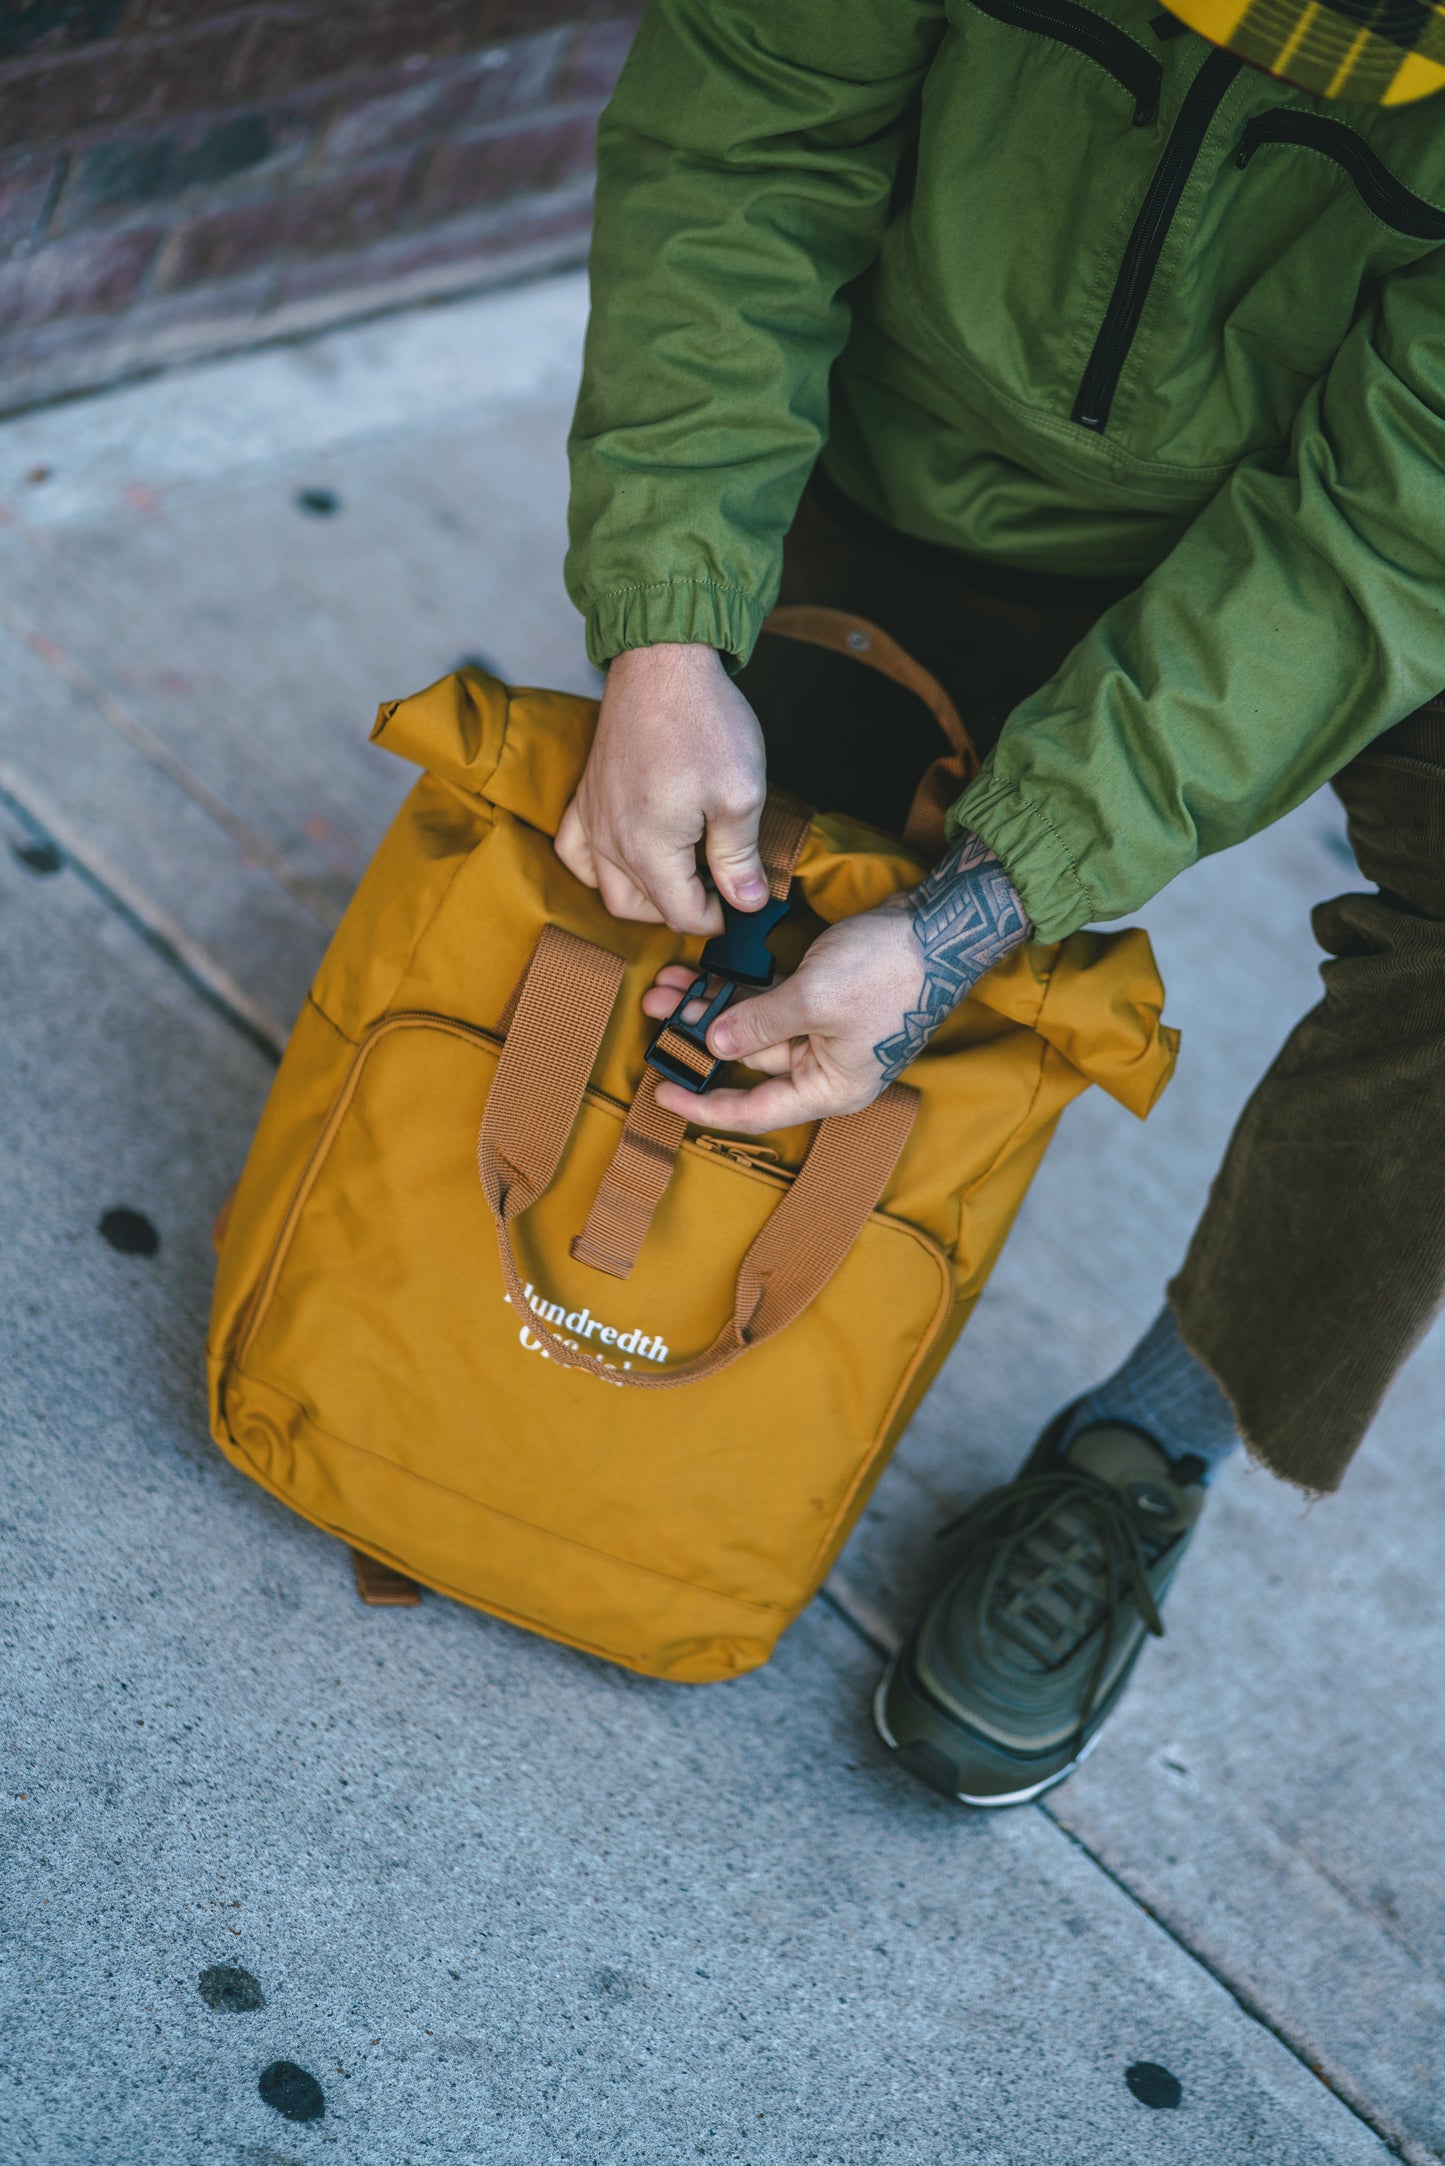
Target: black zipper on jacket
1379, 190
1131, 287
1129, 64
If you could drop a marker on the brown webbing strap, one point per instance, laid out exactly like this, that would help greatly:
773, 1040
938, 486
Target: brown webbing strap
848, 1166
948, 776
521, 1143
635, 1182
567, 997
673, 1043
782, 831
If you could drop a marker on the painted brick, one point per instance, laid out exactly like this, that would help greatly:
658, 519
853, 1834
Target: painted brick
163, 325
182, 176
595, 60
455, 96
391, 34
89, 276
117, 84
50, 26
285, 52
522, 160
146, 17
343, 213
45, 360
27, 184
135, 171
543, 233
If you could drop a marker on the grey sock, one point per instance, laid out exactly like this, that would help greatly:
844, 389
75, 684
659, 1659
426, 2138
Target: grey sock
1164, 1391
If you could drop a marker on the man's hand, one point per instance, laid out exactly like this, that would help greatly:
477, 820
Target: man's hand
677, 760
867, 996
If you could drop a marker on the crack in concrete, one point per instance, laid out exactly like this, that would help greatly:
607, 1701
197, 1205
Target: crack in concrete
158, 755
1395, 2139
187, 958
203, 975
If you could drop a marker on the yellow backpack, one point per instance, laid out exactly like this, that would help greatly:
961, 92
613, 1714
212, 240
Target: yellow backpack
488, 1315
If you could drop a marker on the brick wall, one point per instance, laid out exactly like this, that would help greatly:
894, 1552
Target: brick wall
182, 176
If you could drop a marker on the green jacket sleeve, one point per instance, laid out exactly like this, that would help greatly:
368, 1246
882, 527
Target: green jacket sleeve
745, 168
1302, 613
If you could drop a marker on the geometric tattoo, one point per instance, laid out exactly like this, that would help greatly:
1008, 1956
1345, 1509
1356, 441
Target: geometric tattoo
966, 915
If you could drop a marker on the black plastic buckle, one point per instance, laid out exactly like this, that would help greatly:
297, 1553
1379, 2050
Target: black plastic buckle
737, 956
740, 950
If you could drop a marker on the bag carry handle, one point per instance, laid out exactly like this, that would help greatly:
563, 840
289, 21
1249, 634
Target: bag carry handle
567, 997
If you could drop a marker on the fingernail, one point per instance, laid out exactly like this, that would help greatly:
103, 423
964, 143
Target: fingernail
720, 1040
752, 890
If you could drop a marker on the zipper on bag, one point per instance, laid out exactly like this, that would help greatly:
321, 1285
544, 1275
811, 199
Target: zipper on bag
1100, 379
1375, 184
760, 1157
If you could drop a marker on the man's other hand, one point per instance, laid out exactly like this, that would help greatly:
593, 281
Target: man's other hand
867, 997
677, 760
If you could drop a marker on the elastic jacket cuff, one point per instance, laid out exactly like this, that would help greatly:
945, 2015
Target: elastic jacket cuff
686, 610
1031, 851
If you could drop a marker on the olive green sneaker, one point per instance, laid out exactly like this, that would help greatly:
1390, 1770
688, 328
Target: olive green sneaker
1009, 1675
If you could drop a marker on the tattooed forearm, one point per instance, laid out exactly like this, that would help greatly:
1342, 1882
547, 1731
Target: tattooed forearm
965, 915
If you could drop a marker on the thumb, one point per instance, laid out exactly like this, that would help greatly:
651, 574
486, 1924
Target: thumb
573, 845
768, 1019
733, 860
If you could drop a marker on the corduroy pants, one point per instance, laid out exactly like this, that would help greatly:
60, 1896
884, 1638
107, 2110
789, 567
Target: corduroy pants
1319, 1261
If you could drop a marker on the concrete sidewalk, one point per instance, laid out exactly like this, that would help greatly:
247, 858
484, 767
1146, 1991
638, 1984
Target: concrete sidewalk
498, 1902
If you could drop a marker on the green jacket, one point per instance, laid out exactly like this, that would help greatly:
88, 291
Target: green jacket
1099, 301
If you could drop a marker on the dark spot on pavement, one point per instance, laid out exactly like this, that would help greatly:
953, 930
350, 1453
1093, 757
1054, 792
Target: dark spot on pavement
37, 857
1153, 2085
129, 1231
38, 474
611, 1985
293, 2091
232, 1991
321, 503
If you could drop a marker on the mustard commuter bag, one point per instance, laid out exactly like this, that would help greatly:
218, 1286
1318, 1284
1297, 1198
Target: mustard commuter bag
485, 1312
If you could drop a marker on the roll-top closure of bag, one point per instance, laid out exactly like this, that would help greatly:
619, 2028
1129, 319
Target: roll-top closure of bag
519, 749
454, 729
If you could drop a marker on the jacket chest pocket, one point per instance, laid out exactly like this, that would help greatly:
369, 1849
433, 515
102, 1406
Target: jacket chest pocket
1135, 71
1376, 186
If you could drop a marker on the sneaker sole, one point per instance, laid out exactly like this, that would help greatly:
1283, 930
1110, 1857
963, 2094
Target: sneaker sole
979, 1804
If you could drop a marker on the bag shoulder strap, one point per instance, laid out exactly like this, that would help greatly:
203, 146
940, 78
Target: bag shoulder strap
946, 778
566, 999
863, 641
